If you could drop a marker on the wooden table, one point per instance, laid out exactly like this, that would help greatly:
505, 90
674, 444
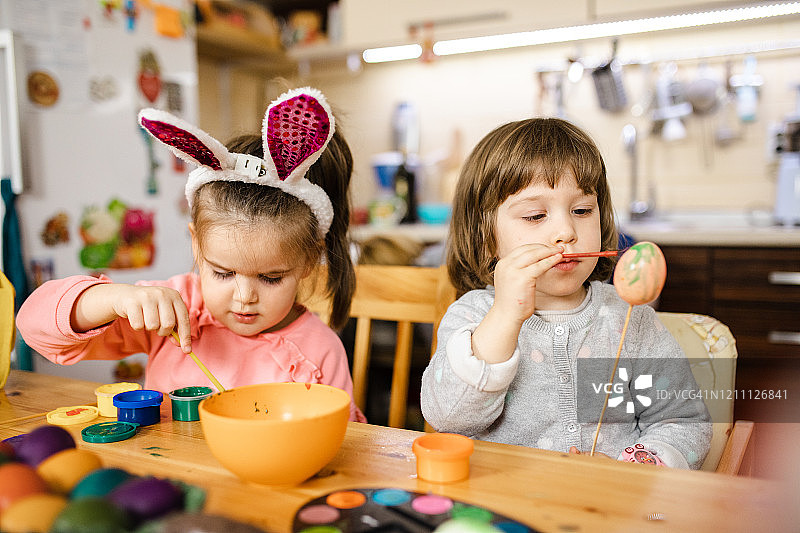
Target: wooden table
550, 491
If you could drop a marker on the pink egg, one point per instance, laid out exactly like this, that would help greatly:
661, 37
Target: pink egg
640, 273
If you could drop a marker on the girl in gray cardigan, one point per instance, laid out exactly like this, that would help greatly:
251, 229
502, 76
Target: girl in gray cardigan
525, 354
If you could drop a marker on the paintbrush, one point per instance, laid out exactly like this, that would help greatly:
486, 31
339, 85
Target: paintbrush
199, 363
607, 253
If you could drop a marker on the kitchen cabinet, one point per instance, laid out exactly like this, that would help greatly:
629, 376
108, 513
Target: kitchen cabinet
755, 291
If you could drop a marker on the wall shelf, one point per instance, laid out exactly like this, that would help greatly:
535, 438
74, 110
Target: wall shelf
239, 45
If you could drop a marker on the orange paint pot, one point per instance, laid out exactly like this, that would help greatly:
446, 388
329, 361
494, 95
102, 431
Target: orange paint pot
443, 457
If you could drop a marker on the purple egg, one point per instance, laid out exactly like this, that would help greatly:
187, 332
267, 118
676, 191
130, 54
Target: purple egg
43, 442
147, 497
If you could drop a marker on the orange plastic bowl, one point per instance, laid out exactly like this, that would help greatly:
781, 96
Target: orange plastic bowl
442, 457
275, 433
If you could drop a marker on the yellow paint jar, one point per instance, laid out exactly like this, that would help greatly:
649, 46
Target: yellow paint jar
105, 396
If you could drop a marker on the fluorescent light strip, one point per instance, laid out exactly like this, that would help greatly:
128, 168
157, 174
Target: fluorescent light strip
392, 53
577, 33
609, 29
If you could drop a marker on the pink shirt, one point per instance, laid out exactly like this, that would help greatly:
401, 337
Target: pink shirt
305, 351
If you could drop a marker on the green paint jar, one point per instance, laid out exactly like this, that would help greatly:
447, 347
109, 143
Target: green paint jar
185, 402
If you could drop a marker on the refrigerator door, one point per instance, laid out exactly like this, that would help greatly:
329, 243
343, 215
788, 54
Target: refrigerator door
89, 67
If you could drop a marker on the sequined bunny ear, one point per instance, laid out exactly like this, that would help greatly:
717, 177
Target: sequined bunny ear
186, 141
296, 130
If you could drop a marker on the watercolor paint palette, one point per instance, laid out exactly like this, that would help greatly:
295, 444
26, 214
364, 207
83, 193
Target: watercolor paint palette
391, 510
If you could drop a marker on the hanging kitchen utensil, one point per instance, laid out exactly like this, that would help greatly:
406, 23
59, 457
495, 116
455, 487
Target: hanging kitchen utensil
746, 86
703, 93
727, 126
559, 95
608, 83
671, 104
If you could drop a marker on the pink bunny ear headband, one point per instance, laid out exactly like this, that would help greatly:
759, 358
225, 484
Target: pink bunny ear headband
296, 129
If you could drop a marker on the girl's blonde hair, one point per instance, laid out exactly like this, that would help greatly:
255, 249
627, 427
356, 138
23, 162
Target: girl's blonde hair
508, 159
255, 206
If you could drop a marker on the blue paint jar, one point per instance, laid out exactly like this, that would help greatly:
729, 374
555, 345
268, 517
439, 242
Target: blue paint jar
142, 407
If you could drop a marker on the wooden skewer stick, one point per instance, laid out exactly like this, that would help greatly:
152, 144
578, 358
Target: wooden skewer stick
607, 253
611, 380
200, 364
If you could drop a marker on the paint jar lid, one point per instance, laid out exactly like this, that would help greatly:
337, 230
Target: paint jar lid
191, 393
108, 432
136, 399
111, 389
77, 414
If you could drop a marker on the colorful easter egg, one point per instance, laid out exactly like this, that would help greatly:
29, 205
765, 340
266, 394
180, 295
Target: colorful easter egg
43, 442
640, 273
63, 470
201, 523
147, 497
92, 515
18, 480
100, 482
32, 514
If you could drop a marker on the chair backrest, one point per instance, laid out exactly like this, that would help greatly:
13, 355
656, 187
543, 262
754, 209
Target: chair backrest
711, 350
402, 294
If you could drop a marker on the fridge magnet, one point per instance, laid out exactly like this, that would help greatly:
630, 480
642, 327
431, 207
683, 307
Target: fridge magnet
174, 95
108, 8
42, 88
168, 21
118, 237
149, 75
42, 270
131, 12
56, 230
102, 89
152, 182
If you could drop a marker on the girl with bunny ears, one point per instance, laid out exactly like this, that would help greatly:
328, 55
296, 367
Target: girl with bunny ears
265, 211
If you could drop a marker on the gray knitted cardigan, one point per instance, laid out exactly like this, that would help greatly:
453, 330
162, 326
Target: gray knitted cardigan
542, 397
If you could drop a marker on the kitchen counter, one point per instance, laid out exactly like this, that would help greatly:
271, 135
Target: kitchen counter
712, 229
673, 229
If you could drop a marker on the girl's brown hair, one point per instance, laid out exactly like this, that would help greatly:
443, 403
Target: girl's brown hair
508, 159
259, 206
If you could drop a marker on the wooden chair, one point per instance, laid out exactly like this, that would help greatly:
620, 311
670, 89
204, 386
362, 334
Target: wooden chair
402, 294
711, 349
737, 457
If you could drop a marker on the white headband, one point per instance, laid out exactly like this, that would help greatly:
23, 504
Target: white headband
296, 130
